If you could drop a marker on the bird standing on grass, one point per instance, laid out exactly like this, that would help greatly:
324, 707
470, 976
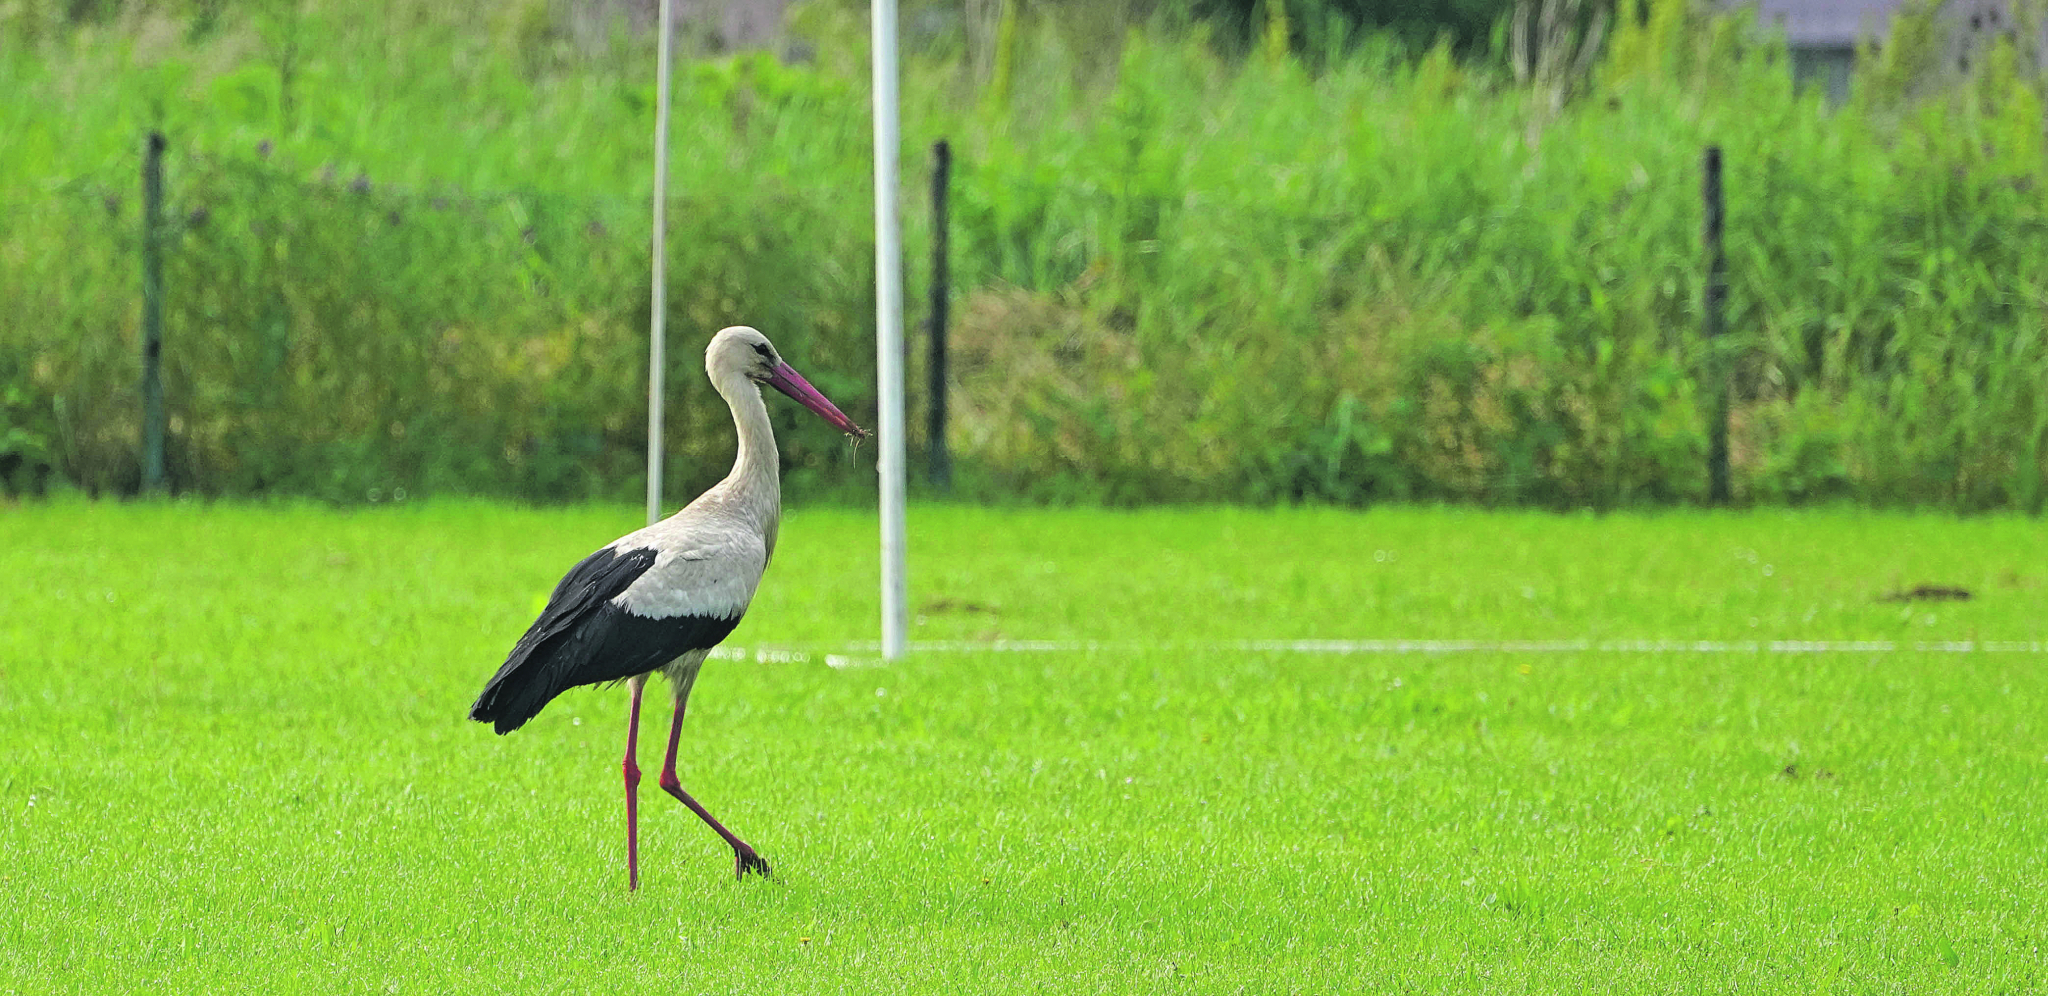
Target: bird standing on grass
660, 598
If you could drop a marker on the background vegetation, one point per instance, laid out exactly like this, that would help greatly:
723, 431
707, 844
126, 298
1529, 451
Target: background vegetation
1192, 264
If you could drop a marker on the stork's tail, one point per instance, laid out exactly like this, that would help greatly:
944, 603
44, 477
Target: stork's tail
514, 695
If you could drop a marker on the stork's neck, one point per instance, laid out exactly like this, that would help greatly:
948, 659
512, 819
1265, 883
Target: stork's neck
755, 484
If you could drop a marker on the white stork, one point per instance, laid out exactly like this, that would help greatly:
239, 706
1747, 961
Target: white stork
660, 598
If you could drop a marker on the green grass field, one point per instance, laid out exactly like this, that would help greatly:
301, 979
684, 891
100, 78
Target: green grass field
235, 758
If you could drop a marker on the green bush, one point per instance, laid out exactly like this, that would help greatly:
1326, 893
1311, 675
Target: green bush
410, 253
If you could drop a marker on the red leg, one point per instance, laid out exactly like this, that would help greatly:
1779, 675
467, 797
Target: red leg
632, 772
744, 857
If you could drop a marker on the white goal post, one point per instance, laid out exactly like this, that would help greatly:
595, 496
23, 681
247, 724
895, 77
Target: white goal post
657, 321
888, 313
889, 335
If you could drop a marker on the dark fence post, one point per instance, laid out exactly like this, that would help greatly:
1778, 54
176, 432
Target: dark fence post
940, 461
1715, 323
153, 316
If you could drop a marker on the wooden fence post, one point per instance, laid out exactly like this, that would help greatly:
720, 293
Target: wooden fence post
1715, 323
153, 421
940, 461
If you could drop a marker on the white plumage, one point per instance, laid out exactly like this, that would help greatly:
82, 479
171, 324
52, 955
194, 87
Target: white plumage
702, 567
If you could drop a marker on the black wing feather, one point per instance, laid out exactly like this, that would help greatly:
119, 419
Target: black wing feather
581, 638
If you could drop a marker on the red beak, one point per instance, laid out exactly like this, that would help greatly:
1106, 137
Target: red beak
788, 381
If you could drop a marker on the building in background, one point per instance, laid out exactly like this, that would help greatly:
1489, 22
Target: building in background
1823, 34
701, 25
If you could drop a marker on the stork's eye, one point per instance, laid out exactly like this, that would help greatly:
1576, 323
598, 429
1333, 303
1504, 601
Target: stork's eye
762, 348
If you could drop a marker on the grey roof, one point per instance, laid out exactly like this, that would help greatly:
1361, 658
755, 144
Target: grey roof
1827, 22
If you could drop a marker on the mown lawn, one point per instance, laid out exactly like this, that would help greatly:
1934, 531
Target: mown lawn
233, 756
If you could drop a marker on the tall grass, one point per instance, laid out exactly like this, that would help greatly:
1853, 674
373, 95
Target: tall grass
411, 253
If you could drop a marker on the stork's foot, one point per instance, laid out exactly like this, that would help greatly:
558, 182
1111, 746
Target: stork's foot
745, 860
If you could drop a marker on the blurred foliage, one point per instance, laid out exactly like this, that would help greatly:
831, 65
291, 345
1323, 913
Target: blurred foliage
411, 247
1318, 25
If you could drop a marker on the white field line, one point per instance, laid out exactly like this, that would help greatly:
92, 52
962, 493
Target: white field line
859, 653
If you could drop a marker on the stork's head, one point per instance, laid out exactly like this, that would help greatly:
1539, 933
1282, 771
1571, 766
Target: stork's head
745, 352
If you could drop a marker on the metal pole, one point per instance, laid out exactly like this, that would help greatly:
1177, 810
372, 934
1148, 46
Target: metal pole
657, 332
1714, 320
941, 462
153, 316
889, 334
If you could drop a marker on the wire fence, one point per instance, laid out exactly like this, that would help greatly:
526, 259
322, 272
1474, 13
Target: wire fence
339, 335
336, 335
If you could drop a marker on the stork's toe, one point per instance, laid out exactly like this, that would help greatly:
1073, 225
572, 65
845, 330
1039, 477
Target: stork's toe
747, 861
